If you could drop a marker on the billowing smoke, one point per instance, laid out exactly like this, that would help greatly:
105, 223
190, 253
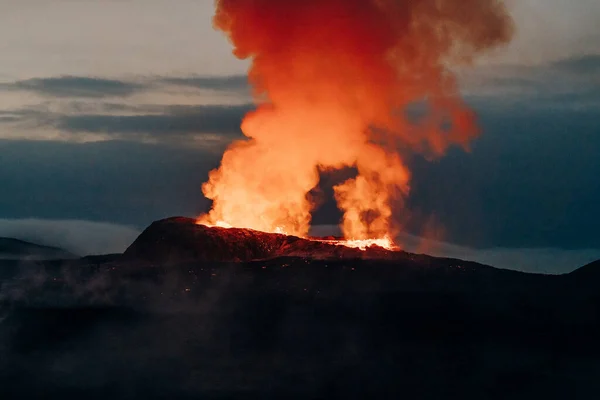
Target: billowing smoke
333, 80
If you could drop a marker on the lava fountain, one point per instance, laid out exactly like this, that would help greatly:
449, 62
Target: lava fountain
332, 82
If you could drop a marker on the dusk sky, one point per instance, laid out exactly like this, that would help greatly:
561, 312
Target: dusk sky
112, 113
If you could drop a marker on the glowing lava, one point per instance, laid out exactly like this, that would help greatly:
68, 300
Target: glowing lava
385, 243
333, 80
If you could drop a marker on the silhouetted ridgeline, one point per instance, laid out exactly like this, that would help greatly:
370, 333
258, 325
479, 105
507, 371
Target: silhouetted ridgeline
11, 249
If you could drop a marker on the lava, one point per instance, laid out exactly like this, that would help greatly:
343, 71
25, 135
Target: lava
334, 82
385, 242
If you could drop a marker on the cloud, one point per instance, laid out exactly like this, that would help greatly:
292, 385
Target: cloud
76, 236
569, 83
204, 111
233, 83
211, 125
588, 64
90, 87
84, 108
77, 86
9, 118
97, 87
211, 119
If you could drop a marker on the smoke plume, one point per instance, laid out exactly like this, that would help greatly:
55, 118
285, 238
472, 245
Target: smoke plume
332, 81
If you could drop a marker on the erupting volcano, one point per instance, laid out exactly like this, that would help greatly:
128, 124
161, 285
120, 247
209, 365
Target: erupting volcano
333, 81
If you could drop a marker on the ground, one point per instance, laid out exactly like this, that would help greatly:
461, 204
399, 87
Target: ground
296, 327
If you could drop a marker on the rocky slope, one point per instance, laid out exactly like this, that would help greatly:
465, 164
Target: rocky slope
176, 240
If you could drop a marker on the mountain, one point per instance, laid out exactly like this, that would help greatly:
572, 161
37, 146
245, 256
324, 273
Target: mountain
591, 270
176, 240
14, 249
196, 312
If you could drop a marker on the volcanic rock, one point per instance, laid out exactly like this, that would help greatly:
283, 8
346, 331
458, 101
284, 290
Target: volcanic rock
176, 240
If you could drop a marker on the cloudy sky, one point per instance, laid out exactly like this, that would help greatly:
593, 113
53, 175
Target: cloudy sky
112, 112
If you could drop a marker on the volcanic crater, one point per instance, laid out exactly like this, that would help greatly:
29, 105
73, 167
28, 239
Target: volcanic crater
179, 239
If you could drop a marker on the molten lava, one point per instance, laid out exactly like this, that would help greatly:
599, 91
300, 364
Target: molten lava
333, 82
385, 243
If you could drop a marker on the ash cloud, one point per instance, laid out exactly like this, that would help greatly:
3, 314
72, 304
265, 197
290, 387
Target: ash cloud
329, 78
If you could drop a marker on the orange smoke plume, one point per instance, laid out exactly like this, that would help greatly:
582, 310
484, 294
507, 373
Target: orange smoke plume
332, 80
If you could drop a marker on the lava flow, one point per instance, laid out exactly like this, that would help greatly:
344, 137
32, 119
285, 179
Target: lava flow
364, 244
385, 242
334, 83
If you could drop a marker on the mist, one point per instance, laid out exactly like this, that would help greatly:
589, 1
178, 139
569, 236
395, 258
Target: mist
76, 236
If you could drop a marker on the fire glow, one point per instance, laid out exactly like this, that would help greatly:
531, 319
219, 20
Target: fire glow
385, 242
332, 82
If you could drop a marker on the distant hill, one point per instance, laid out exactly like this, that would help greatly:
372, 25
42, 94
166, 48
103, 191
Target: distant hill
11, 249
590, 271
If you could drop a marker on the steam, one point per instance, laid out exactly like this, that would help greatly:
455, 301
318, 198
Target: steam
332, 81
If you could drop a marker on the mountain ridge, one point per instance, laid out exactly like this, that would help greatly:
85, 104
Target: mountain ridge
12, 248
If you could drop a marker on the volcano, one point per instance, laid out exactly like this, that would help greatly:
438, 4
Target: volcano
176, 240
